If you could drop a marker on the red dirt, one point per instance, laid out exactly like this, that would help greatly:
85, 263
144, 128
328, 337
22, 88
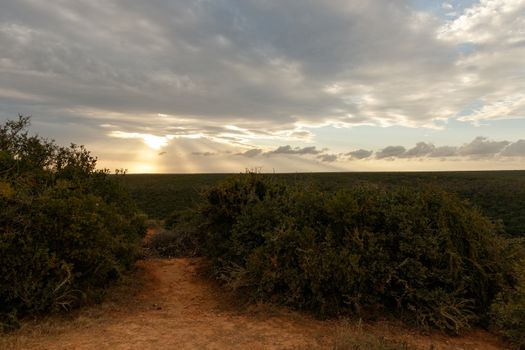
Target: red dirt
175, 308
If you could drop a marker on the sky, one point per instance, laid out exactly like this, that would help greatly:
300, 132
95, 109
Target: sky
195, 86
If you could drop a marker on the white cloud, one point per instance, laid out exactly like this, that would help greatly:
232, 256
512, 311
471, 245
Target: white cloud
499, 21
491, 37
507, 107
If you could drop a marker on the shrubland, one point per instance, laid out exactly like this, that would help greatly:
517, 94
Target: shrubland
422, 255
508, 310
66, 229
500, 195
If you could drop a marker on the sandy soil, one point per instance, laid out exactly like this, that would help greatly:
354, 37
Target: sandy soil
171, 306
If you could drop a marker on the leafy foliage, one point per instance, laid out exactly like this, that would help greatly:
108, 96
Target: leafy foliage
423, 255
66, 229
508, 311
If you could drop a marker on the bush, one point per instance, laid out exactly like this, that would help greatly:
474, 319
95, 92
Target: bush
174, 243
66, 229
422, 255
508, 311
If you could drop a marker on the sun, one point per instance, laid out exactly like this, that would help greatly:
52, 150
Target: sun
155, 142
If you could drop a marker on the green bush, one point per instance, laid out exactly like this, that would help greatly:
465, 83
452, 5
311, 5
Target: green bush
508, 311
66, 229
422, 255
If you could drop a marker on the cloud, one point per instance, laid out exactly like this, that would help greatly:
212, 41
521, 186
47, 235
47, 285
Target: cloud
490, 37
204, 154
359, 154
221, 61
420, 150
302, 134
251, 152
327, 157
443, 152
515, 149
295, 150
241, 74
486, 22
152, 141
390, 152
481, 146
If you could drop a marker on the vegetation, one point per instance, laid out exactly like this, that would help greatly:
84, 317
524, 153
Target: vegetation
175, 242
420, 254
509, 310
66, 229
359, 244
160, 195
498, 194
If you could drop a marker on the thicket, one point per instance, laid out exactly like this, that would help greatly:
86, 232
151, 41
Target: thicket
508, 311
66, 229
498, 194
422, 255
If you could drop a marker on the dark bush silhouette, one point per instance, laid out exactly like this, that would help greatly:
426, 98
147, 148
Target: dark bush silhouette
422, 255
66, 229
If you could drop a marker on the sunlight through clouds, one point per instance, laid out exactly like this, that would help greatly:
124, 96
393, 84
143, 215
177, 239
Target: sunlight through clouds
152, 141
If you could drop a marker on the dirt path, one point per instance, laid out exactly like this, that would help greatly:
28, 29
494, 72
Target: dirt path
175, 308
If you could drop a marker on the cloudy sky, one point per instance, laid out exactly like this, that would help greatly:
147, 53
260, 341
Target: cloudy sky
282, 85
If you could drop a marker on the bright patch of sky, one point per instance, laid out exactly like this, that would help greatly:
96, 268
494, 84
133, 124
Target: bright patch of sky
445, 9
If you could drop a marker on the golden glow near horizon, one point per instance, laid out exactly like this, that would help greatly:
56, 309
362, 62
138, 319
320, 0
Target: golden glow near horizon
199, 155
